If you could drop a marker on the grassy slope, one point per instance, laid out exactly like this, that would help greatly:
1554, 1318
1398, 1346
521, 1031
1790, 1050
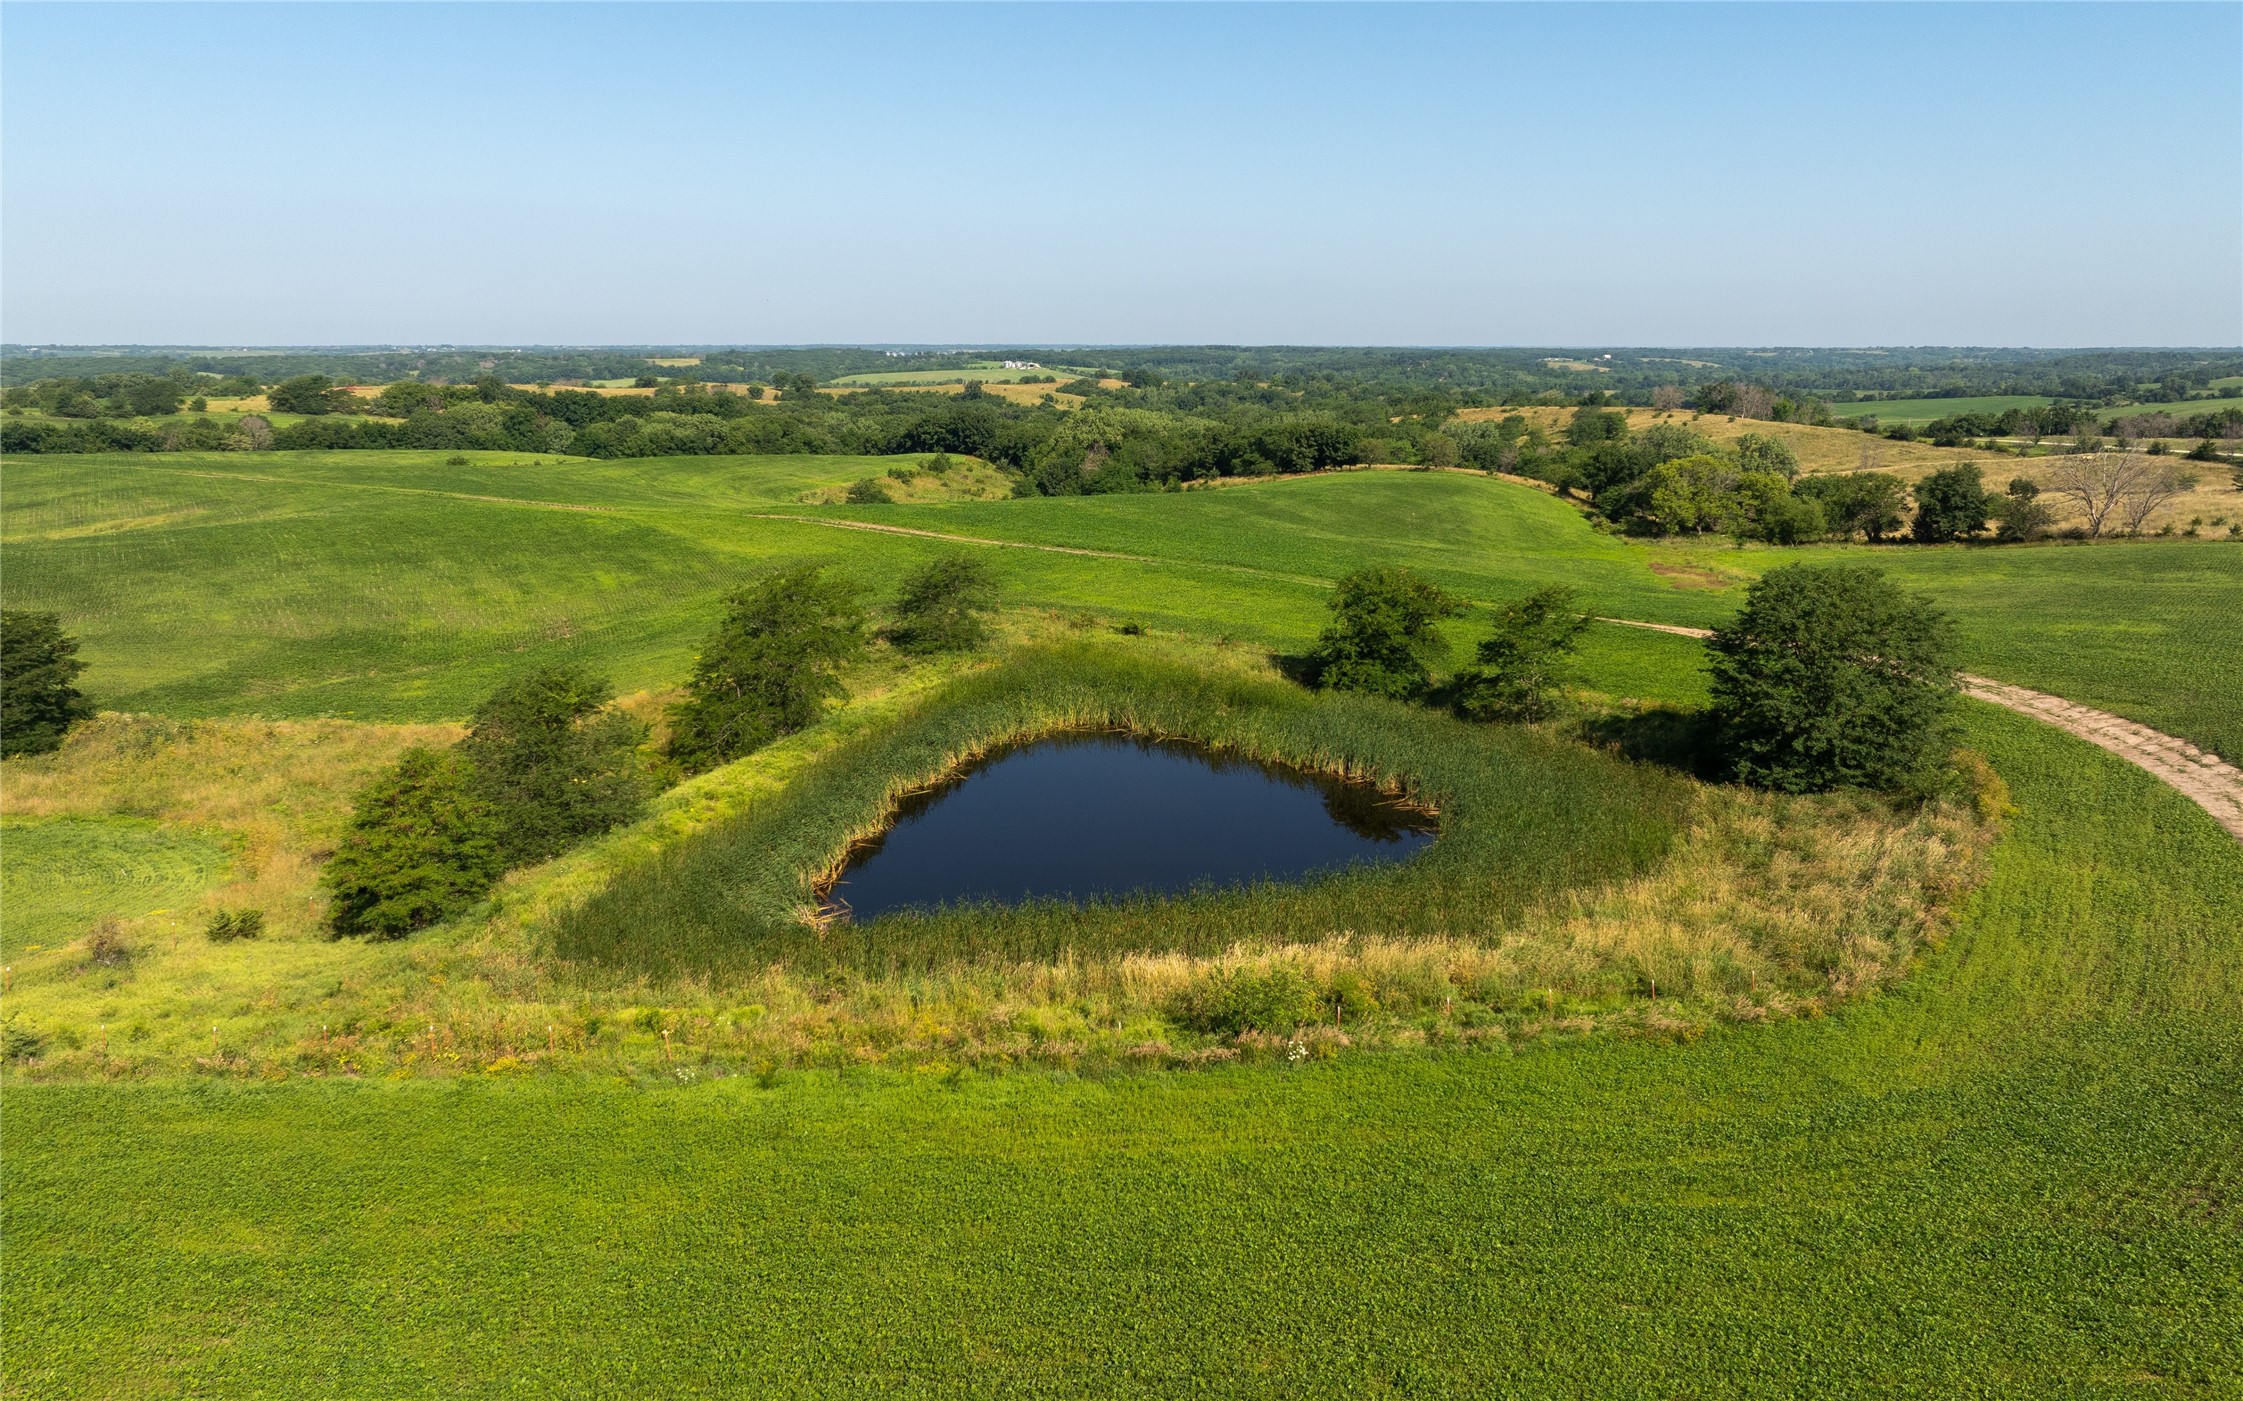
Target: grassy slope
2146, 629
2016, 1177
391, 586
60, 877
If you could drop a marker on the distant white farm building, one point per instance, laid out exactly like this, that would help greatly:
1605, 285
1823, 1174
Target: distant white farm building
1022, 365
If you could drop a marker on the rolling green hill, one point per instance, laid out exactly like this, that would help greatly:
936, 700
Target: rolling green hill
2007, 1180
392, 586
2013, 1174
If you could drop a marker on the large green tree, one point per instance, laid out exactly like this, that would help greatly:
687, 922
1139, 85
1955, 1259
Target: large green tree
1382, 640
941, 605
1526, 661
1868, 502
554, 761
770, 666
1832, 676
308, 394
1951, 504
39, 666
421, 846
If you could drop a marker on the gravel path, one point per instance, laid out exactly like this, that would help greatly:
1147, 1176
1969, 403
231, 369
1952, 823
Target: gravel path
2204, 779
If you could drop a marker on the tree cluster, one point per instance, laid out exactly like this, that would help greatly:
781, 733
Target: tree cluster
547, 760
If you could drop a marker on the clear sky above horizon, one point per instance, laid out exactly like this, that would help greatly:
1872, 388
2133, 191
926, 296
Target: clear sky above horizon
1609, 174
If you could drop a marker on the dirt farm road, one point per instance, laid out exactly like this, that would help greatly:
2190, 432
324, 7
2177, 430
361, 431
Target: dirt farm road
2204, 779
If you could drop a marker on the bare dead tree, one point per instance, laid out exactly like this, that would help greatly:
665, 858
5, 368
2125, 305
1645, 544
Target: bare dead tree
1753, 401
252, 434
2096, 482
2151, 490
1667, 397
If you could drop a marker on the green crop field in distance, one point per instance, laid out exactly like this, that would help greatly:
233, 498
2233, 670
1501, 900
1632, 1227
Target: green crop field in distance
390, 585
2002, 1180
1918, 412
2185, 408
1890, 412
61, 876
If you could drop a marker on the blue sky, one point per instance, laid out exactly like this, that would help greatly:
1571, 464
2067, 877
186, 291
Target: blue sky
1388, 174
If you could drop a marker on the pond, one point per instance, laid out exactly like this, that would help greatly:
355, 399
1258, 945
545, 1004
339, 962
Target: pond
1081, 816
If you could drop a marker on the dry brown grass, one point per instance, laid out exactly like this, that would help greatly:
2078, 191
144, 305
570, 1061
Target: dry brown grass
1013, 393
971, 479
616, 391
280, 790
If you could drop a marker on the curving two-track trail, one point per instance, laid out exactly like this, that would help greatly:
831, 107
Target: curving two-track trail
2204, 779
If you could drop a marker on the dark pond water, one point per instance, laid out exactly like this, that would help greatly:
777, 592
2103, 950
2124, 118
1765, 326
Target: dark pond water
1081, 816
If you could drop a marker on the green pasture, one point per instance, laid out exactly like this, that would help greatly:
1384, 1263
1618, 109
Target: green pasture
1892, 412
2013, 1177
389, 585
2145, 628
2186, 408
61, 876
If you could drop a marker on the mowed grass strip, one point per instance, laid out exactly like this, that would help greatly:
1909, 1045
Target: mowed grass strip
60, 877
2005, 1179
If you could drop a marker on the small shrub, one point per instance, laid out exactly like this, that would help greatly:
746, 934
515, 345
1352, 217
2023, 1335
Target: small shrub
1529, 658
769, 667
1233, 1000
868, 492
554, 761
904, 472
939, 464
457, 459
106, 946
20, 1042
225, 926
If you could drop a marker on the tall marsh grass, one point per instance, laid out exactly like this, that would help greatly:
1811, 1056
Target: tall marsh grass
1522, 815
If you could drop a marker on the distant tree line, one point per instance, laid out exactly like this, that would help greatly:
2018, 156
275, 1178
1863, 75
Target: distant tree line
1630, 376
